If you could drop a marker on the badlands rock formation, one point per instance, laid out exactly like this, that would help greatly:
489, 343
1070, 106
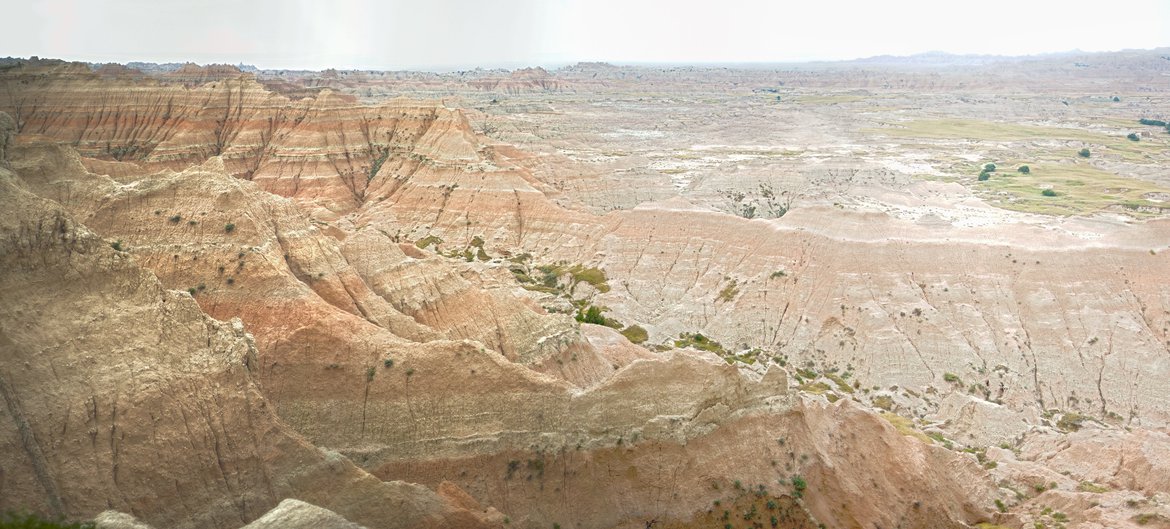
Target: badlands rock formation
122, 394
399, 279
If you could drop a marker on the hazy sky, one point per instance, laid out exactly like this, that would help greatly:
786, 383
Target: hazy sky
393, 34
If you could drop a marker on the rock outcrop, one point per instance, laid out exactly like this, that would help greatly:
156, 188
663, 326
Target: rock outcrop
119, 393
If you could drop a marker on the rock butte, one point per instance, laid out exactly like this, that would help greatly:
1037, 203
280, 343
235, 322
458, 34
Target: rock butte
287, 299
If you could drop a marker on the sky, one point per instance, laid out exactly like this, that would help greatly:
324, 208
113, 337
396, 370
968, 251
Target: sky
464, 34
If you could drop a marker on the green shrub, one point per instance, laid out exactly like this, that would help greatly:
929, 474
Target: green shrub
370, 372
984, 176
389, 362
635, 334
592, 314
1048, 192
175, 219
1152, 122
1024, 169
1133, 137
31, 521
989, 167
798, 486
951, 377
700, 342
116, 245
1084, 153
229, 227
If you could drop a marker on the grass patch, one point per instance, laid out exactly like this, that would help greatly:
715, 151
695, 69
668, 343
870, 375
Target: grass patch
905, 426
579, 273
729, 292
818, 388
1071, 422
975, 130
424, 242
635, 334
1082, 189
700, 342
1088, 486
840, 382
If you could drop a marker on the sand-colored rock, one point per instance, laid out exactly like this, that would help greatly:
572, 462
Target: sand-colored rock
107, 376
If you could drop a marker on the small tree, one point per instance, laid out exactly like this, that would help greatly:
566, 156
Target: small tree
591, 315
984, 176
1048, 192
229, 227
1133, 136
989, 167
1024, 169
1084, 153
1116, 99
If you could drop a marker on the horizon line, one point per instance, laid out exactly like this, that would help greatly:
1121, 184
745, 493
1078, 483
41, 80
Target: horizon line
556, 65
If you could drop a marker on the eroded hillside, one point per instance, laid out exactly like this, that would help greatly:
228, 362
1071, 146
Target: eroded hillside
409, 281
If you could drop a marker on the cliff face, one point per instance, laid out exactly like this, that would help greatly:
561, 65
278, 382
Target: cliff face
121, 394
323, 150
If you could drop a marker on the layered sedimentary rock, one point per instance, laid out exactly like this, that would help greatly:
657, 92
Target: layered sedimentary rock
324, 150
121, 394
366, 248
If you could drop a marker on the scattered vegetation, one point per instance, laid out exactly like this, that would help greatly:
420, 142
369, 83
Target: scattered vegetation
700, 342
798, 486
1071, 422
729, 292
1088, 486
592, 314
1149, 518
376, 163
424, 242
905, 426
763, 201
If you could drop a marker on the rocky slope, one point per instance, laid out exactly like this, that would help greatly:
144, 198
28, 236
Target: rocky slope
404, 279
122, 394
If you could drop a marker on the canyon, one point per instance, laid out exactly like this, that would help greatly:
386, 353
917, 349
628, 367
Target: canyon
881, 293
